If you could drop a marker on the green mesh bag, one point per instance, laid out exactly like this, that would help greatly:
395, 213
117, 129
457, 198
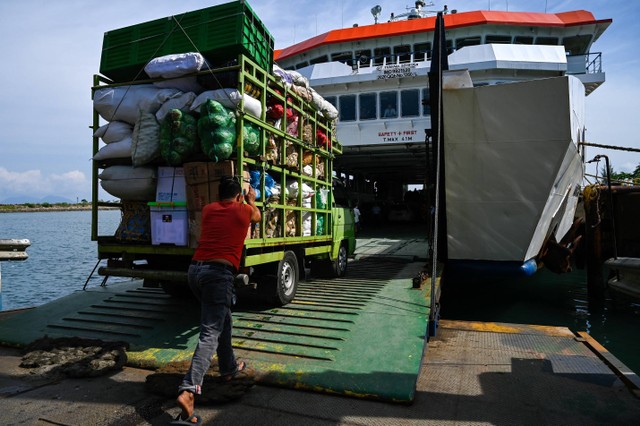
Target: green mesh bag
251, 139
178, 138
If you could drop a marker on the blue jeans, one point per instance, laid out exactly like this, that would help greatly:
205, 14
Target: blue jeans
213, 285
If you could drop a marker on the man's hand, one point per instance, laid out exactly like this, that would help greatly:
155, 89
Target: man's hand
250, 196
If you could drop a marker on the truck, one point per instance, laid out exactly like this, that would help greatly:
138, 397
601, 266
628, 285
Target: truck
283, 144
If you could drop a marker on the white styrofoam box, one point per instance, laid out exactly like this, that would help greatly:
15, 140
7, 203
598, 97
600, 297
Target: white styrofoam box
172, 186
169, 225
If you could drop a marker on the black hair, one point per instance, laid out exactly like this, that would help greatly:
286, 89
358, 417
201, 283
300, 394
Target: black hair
229, 187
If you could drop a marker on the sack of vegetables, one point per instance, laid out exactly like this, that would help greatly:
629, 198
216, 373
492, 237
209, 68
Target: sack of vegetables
217, 130
178, 137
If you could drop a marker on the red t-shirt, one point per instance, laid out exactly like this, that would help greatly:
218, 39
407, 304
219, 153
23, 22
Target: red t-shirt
224, 228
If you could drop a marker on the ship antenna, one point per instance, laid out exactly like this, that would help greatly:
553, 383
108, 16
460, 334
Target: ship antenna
375, 11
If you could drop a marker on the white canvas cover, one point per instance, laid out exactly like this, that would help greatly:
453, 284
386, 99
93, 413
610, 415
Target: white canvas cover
512, 168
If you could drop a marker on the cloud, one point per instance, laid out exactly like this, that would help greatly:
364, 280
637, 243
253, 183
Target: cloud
19, 182
32, 184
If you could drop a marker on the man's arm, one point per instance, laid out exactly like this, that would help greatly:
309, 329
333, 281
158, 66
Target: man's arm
250, 198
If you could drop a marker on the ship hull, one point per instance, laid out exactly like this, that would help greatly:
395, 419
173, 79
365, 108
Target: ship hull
513, 169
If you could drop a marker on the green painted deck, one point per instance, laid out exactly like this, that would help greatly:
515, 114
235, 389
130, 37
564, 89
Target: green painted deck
362, 335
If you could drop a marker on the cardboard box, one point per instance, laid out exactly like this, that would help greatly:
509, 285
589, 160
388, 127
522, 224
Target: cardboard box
202, 180
171, 186
169, 225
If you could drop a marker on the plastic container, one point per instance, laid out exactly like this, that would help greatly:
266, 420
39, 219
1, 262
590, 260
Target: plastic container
220, 33
169, 224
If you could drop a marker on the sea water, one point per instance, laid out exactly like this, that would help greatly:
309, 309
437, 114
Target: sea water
62, 257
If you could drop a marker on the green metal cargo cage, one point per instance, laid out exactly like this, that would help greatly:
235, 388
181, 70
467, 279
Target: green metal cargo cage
220, 33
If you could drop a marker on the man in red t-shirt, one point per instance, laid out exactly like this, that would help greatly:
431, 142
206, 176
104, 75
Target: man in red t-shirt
211, 276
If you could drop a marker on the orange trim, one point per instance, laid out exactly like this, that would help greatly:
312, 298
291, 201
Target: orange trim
455, 20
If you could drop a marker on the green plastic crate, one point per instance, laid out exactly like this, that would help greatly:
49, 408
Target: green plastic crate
220, 33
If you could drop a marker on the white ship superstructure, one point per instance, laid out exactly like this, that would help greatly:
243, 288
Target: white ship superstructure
376, 76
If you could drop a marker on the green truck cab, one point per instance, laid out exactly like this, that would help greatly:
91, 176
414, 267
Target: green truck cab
303, 231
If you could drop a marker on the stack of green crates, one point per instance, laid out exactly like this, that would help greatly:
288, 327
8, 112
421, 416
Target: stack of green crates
220, 33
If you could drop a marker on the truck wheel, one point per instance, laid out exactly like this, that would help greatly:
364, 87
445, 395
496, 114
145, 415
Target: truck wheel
341, 262
328, 268
287, 278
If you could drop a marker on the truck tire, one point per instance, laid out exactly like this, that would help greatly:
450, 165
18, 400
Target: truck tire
287, 276
328, 268
340, 264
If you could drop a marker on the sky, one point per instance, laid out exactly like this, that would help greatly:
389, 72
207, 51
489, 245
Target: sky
51, 50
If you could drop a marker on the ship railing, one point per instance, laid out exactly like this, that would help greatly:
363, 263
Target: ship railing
376, 61
590, 63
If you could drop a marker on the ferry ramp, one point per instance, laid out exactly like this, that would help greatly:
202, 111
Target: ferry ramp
362, 335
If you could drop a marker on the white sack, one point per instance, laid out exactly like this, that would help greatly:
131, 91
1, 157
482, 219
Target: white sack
306, 224
229, 98
124, 103
114, 131
119, 149
316, 99
174, 65
292, 190
184, 84
182, 102
129, 183
289, 77
299, 79
328, 110
145, 142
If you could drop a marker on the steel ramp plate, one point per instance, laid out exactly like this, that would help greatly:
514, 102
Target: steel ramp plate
361, 336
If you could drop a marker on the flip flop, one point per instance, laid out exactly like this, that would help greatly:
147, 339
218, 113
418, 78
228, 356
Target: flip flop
228, 377
188, 421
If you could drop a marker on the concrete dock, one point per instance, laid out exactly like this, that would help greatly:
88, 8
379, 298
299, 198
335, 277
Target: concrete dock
472, 373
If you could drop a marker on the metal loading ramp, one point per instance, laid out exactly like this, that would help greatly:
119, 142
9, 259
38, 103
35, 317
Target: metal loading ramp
362, 335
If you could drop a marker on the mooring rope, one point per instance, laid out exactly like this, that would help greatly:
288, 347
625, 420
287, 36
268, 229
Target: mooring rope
618, 148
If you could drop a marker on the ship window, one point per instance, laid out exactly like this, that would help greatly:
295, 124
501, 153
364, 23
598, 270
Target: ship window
577, 45
422, 51
389, 104
426, 102
497, 39
403, 53
409, 103
368, 106
332, 100
380, 53
301, 65
553, 41
344, 57
319, 60
523, 40
347, 107
363, 56
467, 41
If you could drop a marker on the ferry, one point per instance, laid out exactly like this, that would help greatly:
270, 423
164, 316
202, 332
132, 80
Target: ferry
513, 160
